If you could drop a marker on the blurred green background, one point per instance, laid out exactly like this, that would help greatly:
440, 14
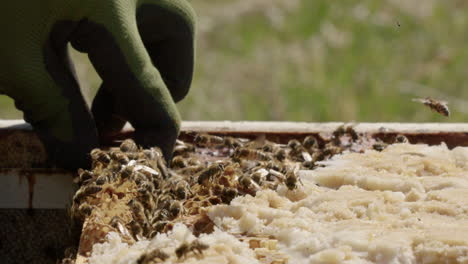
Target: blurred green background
321, 60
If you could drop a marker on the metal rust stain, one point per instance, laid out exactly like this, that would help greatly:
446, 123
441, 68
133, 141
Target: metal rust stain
31, 182
30, 177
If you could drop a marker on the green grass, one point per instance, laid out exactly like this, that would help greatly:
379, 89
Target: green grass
318, 61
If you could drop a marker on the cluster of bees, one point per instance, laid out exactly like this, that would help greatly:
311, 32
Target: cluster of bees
131, 191
207, 171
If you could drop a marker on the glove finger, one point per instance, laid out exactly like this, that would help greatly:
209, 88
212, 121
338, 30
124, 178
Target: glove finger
169, 37
105, 112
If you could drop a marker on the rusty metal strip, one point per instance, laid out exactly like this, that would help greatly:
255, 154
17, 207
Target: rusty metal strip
453, 134
287, 127
305, 127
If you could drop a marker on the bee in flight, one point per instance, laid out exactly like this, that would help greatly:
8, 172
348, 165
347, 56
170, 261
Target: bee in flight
438, 106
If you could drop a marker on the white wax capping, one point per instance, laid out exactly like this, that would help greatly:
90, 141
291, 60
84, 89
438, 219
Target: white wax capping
405, 204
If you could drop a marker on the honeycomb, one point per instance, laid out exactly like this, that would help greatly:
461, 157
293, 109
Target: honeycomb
132, 191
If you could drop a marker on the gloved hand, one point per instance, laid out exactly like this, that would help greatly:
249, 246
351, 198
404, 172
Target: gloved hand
142, 49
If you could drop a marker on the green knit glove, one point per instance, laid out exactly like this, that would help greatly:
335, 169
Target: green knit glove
142, 49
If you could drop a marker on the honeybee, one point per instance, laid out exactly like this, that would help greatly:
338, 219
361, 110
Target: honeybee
259, 175
310, 142
305, 156
271, 165
296, 149
157, 152
126, 172
294, 143
339, 131
164, 201
319, 156
84, 210
273, 174
192, 170
103, 178
114, 166
228, 195
308, 164
352, 133
401, 139
139, 177
160, 226
250, 154
280, 154
292, 179
231, 142
128, 145
435, 105
146, 166
120, 157
68, 261
148, 201
175, 208
84, 175
147, 154
205, 140
152, 257
149, 157
300, 154
86, 191
115, 221
213, 170
379, 146
182, 250
70, 252
197, 247
183, 150
185, 248
331, 150
136, 229
137, 210
270, 147
161, 164
217, 189
193, 162
146, 187
178, 162
245, 181
160, 215
182, 189
149, 172
132, 155
101, 156
69, 256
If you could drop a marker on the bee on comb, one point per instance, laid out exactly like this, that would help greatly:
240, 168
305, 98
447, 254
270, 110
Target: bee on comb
436, 105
